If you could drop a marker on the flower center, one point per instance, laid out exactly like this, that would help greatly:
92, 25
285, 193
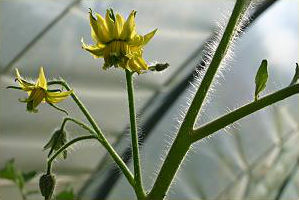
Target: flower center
115, 52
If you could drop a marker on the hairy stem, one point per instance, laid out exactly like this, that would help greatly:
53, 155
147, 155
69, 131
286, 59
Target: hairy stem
183, 142
78, 122
101, 138
243, 111
134, 137
224, 45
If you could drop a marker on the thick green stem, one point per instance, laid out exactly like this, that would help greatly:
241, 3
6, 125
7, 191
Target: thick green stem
170, 166
182, 142
64, 147
134, 136
224, 45
239, 113
101, 138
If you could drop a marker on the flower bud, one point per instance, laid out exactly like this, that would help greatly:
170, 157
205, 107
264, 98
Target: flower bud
159, 67
47, 185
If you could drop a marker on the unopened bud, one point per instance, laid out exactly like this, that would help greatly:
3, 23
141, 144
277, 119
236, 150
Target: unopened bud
47, 185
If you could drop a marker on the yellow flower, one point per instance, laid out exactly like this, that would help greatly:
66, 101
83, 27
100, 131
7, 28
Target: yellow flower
39, 91
117, 42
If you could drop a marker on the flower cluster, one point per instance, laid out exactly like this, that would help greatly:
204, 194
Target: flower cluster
117, 41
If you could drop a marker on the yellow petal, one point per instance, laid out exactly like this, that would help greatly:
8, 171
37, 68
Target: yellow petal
110, 24
94, 27
149, 36
103, 32
41, 81
119, 23
141, 62
129, 31
56, 97
26, 86
96, 50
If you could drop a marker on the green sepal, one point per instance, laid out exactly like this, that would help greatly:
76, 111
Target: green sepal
58, 139
296, 75
261, 79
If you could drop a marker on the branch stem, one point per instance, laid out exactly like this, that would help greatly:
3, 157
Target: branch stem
243, 111
100, 136
65, 146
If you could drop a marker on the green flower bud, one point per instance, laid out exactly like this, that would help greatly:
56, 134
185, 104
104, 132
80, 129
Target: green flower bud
159, 67
57, 140
47, 185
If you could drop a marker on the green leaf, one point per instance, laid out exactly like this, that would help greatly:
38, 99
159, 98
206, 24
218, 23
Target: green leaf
261, 79
9, 171
66, 194
28, 175
296, 76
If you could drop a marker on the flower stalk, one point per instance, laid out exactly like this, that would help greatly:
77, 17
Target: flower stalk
134, 137
100, 136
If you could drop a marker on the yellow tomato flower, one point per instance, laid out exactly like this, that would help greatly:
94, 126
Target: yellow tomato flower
117, 42
39, 92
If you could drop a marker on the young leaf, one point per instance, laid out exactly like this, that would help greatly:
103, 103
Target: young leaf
261, 78
9, 171
28, 175
296, 76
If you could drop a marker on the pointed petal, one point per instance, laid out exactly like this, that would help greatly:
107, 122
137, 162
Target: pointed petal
149, 36
56, 97
110, 24
129, 31
103, 31
96, 50
26, 86
119, 23
42, 81
141, 62
94, 27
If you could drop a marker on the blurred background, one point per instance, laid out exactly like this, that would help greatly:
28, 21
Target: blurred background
256, 158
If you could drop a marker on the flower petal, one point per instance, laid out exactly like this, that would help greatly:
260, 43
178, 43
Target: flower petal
103, 31
42, 81
56, 97
96, 50
148, 37
26, 86
110, 24
129, 31
119, 23
94, 27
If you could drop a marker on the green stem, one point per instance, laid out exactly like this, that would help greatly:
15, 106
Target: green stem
220, 53
65, 146
183, 141
101, 138
243, 111
78, 122
134, 136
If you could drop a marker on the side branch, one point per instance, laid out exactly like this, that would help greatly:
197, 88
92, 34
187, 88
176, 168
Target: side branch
243, 111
